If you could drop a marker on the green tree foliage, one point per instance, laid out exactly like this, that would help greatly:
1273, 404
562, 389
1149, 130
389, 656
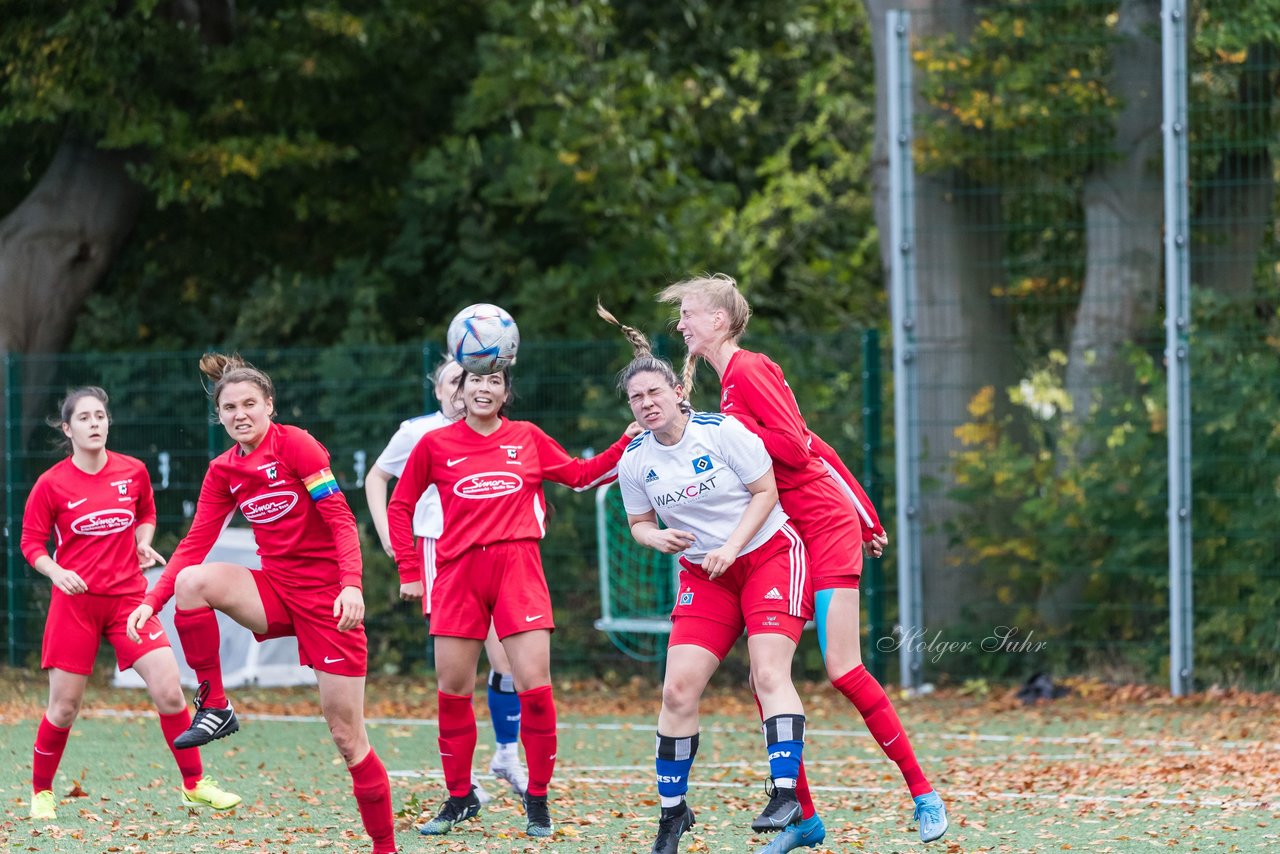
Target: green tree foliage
356, 172
1038, 514
1025, 104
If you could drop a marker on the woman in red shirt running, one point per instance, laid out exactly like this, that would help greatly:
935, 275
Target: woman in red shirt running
101, 512
713, 317
279, 478
489, 473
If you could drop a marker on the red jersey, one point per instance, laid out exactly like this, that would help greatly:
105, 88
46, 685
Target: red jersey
850, 486
490, 486
754, 390
92, 519
305, 531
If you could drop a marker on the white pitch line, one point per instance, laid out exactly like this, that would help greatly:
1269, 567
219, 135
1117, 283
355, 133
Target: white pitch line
1174, 745
564, 774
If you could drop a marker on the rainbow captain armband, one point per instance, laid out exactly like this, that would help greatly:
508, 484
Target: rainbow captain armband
321, 484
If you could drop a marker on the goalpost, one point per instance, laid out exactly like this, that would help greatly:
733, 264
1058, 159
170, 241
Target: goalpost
637, 585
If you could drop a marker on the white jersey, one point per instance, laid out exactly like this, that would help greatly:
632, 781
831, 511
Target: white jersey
428, 519
699, 484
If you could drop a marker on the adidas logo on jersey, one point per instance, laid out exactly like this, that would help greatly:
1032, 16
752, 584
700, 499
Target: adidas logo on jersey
651, 476
773, 594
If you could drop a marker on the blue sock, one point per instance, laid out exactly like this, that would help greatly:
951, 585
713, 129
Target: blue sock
784, 736
504, 708
674, 761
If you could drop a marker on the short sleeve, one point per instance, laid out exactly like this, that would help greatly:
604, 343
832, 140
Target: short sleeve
396, 453
743, 451
635, 500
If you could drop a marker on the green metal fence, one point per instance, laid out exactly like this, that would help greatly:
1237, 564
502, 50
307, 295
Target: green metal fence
353, 399
1039, 204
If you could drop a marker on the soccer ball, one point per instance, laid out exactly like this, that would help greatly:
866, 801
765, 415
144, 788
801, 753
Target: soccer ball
483, 338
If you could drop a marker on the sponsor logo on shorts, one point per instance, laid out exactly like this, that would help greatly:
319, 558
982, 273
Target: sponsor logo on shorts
154, 635
490, 484
534, 617
770, 621
773, 594
268, 507
328, 660
104, 523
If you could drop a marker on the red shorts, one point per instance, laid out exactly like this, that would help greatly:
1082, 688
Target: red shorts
427, 554
502, 582
307, 614
831, 531
76, 625
764, 591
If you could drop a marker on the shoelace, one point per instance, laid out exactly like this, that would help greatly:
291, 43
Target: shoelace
932, 810
202, 693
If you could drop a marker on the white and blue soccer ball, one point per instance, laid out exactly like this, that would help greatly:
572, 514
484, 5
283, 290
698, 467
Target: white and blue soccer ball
483, 338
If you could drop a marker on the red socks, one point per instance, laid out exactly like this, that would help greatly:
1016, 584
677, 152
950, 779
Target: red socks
372, 789
457, 742
873, 704
201, 643
189, 764
50, 742
538, 735
802, 779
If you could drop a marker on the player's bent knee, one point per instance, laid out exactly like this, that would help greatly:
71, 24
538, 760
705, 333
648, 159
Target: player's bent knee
62, 713
169, 701
680, 696
190, 586
350, 741
769, 680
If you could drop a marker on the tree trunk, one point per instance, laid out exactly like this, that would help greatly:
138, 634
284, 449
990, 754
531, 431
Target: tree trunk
54, 248
1235, 205
1124, 215
962, 334
1123, 211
